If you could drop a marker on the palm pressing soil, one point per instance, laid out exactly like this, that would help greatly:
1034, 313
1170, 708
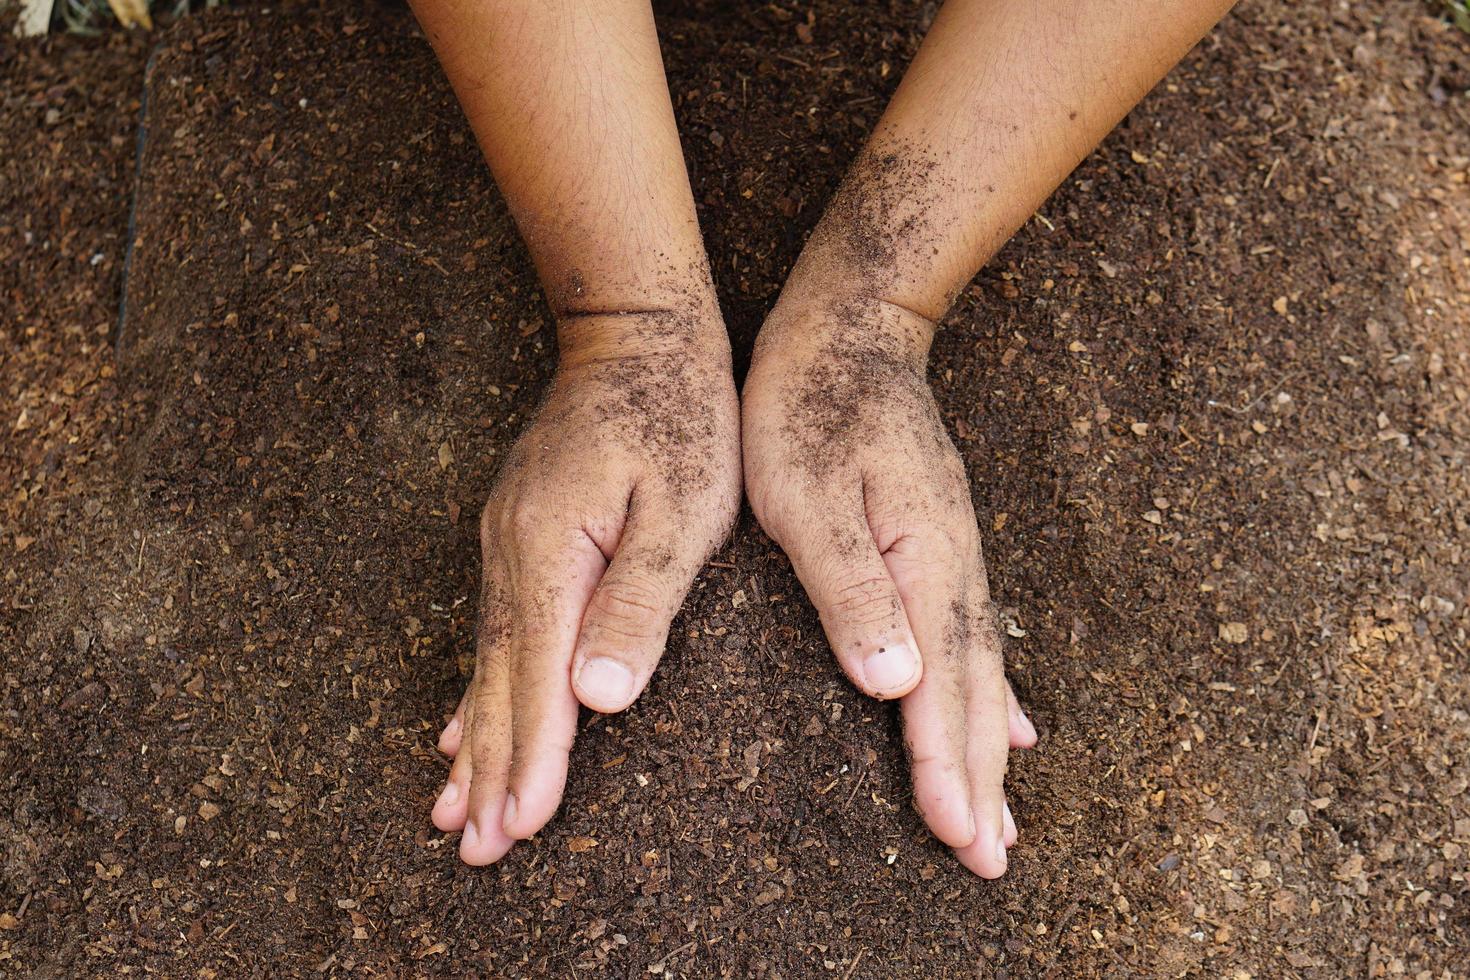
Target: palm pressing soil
1213, 400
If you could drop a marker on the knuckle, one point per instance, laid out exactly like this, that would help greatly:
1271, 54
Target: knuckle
628, 605
953, 469
937, 552
935, 764
789, 507
482, 729
938, 545
866, 602
492, 660
887, 517
508, 518
937, 522
522, 519
772, 506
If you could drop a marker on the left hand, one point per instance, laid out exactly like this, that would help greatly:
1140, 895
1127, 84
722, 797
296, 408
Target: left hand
615, 494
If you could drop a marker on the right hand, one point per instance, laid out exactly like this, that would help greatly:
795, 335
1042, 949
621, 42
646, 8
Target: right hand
850, 470
610, 502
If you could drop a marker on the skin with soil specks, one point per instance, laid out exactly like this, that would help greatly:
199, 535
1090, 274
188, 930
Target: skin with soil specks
838, 429
886, 544
629, 476
611, 500
846, 460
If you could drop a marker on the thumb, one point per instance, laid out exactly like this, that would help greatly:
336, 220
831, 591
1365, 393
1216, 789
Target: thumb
627, 620
838, 562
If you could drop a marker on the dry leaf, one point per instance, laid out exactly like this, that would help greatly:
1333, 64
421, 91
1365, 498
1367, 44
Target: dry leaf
35, 18
130, 12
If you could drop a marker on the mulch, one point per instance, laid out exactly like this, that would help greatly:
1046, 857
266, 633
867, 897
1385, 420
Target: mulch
1214, 399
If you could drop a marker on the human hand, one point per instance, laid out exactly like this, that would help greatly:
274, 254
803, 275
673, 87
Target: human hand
849, 469
606, 508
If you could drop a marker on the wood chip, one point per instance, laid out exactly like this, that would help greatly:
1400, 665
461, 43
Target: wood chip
1234, 633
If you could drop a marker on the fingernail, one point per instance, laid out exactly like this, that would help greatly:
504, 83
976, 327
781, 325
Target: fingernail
451, 729
890, 668
450, 796
510, 811
1009, 823
471, 835
605, 681
1000, 850
973, 829
1029, 728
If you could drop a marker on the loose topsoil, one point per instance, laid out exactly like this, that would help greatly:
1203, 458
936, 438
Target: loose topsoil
1214, 403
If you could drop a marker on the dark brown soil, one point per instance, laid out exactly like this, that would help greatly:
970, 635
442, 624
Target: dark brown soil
1214, 402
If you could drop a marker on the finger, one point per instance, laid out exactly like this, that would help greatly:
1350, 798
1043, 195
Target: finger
484, 839
833, 552
549, 598
453, 733
627, 620
1022, 732
931, 583
934, 733
454, 799
1011, 833
987, 752
964, 716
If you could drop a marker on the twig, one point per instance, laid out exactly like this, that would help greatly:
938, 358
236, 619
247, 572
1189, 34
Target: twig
1241, 411
275, 763
861, 776
795, 61
1316, 729
396, 241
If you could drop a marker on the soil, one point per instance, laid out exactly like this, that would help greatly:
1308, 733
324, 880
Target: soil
1214, 400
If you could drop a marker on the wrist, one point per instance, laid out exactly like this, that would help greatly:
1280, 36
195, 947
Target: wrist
884, 235
696, 332
837, 322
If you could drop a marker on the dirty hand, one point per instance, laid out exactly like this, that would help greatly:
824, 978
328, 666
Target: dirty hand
604, 511
849, 469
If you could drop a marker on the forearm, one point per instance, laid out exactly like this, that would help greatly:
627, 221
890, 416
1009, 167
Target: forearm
571, 108
1002, 101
